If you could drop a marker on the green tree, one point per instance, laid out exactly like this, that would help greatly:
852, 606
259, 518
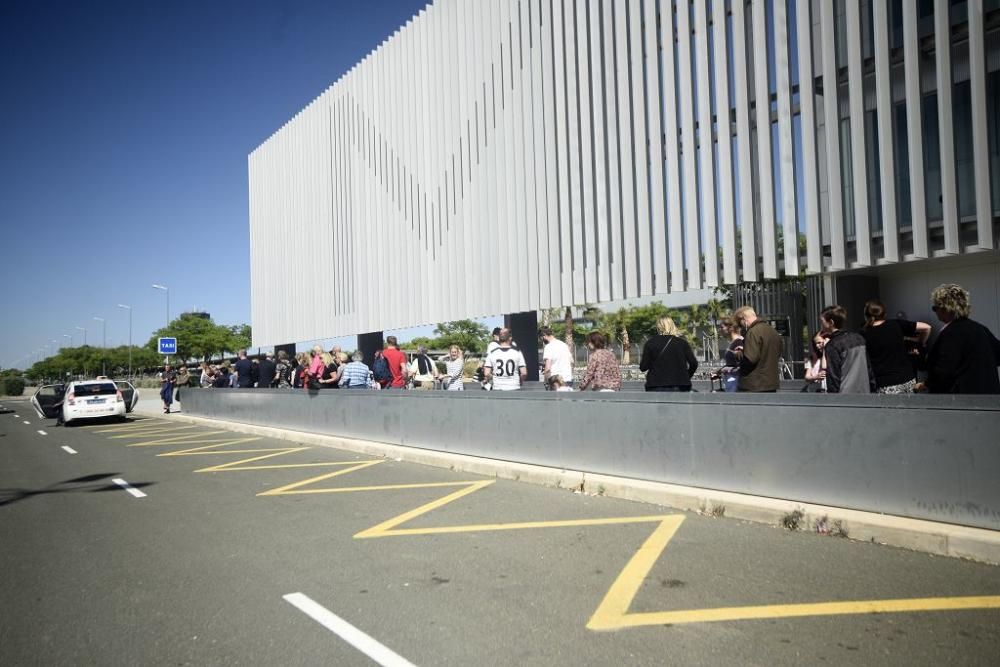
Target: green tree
469, 335
568, 332
715, 310
643, 320
616, 326
241, 336
414, 343
200, 338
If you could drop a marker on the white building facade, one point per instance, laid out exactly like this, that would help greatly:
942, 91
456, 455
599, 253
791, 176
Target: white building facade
501, 156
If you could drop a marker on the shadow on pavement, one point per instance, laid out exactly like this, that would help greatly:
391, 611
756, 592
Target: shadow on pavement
75, 485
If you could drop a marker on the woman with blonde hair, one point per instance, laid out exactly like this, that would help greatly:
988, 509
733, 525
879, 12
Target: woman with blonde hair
667, 359
299, 369
965, 354
314, 372
454, 369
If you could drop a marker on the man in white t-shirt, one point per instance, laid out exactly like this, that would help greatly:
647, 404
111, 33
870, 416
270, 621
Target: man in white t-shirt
494, 342
505, 365
557, 357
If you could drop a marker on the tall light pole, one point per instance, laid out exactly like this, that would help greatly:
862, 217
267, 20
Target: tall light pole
129, 309
104, 344
167, 290
84, 330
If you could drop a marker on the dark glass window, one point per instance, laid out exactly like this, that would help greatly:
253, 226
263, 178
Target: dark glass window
964, 169
932, 158
102, 389
993, 131
874, 169
902, 157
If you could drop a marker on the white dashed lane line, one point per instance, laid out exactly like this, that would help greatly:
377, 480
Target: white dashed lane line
128, 487
27, 422
41, 432
356, 638
69, 450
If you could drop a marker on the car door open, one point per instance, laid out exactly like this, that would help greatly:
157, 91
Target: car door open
47, 401
129, 393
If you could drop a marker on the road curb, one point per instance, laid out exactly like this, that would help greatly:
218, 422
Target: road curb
916, 534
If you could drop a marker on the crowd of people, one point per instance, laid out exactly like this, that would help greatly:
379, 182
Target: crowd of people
889, 356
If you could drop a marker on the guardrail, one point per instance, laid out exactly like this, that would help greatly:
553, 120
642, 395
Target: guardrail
919, 456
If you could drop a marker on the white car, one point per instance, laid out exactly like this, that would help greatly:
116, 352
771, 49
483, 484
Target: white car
85, 399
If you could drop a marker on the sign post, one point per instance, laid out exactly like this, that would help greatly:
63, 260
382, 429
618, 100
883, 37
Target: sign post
168, 346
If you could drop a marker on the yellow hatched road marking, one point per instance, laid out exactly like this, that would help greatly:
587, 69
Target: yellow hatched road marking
612, 613
174, 439
104, 428
799, 610
146, 433
289, 489
384, 529
214, 449
237, 466
486, 527
139, 426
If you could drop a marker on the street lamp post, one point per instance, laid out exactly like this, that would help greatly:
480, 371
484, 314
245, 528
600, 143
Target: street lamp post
167, 290
129, 309
104, 344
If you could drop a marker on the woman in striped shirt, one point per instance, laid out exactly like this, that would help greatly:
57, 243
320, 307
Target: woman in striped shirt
454, 367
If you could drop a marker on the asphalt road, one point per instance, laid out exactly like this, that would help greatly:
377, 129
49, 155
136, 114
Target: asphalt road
438, 567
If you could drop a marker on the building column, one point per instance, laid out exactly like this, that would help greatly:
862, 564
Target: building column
524, 330
368, 344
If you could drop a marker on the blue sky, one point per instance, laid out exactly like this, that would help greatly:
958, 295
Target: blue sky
124, 135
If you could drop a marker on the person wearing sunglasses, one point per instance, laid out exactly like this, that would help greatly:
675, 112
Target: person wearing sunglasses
963, 359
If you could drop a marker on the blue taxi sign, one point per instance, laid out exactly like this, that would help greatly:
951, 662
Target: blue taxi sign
168, 345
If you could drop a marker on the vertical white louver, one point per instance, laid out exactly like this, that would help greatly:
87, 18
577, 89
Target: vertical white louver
508, 155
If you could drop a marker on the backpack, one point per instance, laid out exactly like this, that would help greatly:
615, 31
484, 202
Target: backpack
380, 369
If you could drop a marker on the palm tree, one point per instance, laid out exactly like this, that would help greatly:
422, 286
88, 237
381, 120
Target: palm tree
568, 336
617, 324
716, 309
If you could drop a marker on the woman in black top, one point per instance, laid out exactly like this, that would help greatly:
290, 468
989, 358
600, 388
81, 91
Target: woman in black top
888, 353
965, 354
667, 359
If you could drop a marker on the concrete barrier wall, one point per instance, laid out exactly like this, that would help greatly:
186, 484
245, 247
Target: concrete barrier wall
926, 457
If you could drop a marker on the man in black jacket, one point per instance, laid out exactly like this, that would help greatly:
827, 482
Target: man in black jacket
964, 357
267, 372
